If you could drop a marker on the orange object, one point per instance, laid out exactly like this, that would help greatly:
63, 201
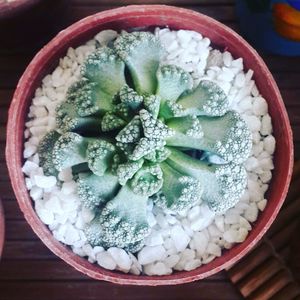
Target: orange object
287, 21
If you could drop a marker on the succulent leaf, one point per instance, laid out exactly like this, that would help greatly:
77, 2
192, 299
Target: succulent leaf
126, 171
45, 151
96, 190
223, 185
121, 223
111, 122
172, 82
179, 191
105, 68
147, 180
69, 150
99, 156
141, 51
206, 99
228, 137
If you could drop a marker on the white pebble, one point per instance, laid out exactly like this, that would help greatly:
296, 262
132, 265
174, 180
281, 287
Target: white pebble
69, 187
192, 264
262, 204
136, 267
78, 251
105, 36
171, 219
53, 204
161, 220
257, 149
239, 80
150, 254
205, 218
227, 58
200, 242
28, 183
29, 166
194, 213
36, 193
172, 46
231, 218
29, 150
154, 239
213, 249
105, 260
158, 268
251, 213
151, 219
244, 223
242, 234
215, 58
226, 75
87, 215
186, 256
45, 215
71, 235
253, 122
180, 238
251, 163
184, 37
269, 144
65, 175
266, 125
171, 260
219, 221
121, 258
266, 176
45, 182
230, 235
260, 106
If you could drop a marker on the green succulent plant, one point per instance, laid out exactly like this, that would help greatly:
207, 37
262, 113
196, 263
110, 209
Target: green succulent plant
124, 129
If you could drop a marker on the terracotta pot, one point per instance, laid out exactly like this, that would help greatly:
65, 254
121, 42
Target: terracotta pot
145, 17
2, 228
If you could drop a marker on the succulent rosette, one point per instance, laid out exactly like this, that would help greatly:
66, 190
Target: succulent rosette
128, 128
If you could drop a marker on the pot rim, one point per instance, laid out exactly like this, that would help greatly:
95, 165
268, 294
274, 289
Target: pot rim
14, 159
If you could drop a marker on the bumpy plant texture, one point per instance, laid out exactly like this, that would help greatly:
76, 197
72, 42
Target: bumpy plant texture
125, 128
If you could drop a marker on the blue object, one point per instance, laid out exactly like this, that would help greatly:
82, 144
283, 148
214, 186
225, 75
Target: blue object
294, 3
257, 24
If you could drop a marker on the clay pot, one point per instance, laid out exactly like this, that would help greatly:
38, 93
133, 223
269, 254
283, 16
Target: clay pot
2, 228
148, 17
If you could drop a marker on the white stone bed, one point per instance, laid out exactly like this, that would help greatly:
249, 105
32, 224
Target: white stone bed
177, 242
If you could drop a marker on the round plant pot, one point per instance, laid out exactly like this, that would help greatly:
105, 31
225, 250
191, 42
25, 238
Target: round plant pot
148, 17
2, 228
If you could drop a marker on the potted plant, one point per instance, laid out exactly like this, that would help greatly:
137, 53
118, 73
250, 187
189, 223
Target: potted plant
143, 18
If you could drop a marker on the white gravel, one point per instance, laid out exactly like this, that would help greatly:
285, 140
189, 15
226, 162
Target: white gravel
177, 242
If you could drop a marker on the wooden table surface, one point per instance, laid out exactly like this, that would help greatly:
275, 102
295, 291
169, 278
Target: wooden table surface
29, 270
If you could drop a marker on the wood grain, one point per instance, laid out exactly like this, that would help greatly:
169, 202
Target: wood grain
86, 290
271, 270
